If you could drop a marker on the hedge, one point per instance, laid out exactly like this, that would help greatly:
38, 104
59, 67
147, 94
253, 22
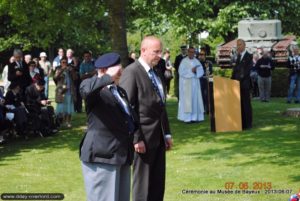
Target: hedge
280, 80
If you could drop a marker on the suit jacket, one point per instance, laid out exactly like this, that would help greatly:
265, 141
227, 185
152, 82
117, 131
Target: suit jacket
24, 80
241, 71
177, 62
13, 99
160, 68
146, 102
107, 139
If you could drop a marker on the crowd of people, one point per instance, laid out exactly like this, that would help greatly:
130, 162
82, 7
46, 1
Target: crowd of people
261, 75
25, 92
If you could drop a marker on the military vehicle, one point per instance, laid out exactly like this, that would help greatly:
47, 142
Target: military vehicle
258, 35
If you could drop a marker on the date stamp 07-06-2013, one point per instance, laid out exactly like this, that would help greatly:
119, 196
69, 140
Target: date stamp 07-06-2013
249, 188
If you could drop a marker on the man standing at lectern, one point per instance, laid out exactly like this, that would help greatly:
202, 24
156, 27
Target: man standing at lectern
241, 72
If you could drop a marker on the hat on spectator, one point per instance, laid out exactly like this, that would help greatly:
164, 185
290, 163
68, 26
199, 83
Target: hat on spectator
108, 60
43, 54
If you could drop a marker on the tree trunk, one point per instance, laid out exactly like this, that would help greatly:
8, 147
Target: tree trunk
117, 21
51, 55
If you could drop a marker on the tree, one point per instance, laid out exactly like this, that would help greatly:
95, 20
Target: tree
117, 22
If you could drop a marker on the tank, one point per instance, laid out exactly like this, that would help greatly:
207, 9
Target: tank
258, 35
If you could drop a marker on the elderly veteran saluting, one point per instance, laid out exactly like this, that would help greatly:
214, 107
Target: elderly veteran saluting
106, 150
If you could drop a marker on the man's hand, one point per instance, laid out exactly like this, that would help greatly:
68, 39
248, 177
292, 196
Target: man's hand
140, 147
44, 102
169, 143
194, 70
115, 73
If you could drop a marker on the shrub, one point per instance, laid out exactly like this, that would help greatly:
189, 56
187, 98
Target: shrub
280, 81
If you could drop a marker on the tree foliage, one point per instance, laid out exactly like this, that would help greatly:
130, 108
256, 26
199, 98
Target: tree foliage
86, 24
45, 23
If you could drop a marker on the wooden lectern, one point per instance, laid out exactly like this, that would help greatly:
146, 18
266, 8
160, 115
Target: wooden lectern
225, 105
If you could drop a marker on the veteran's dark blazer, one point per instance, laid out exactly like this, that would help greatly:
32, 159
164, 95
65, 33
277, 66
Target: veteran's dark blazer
107, 139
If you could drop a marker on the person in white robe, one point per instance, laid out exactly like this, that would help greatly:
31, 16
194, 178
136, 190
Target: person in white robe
6, 82
190, 107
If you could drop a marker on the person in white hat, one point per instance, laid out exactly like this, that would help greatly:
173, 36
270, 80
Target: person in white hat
46, 66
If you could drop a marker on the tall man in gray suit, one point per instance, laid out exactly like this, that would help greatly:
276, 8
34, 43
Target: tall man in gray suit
106, 150
146, 94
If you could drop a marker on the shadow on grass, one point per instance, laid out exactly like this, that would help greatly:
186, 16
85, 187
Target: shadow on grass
273, 139
295, 178
65, 138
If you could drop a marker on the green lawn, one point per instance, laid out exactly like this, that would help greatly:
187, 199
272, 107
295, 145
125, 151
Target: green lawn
200, 160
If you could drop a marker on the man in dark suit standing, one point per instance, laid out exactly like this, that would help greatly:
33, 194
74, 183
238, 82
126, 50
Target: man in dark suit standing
161, 66
241, 72
106, 151
146, 94
18, 73
177, 62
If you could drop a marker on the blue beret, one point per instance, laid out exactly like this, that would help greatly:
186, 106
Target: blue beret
108, 60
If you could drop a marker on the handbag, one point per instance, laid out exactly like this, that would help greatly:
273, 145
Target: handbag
168, 74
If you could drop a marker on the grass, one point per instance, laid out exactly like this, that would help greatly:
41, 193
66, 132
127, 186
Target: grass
204, 160
200, 160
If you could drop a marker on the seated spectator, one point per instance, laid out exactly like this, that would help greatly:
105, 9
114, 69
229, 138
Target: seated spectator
15, 105
37, 104
35, 99
5, 124
13, 96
